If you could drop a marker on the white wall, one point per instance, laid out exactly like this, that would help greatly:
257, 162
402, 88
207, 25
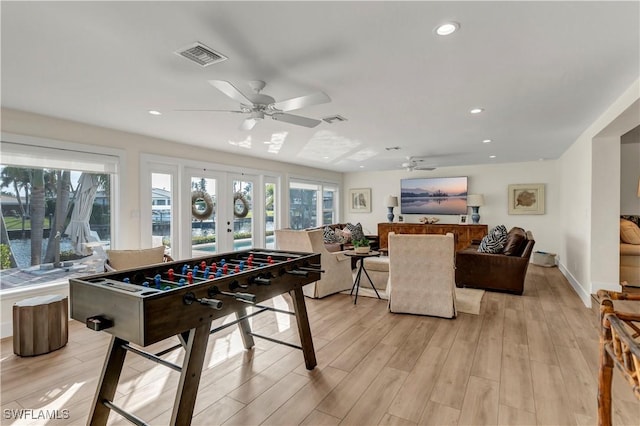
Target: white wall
629, 176
128, 229
490, 180
590, 188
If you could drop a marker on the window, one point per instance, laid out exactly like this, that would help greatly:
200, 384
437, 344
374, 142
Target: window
161, 213
270, 206
329, 205
304, 209
56, 207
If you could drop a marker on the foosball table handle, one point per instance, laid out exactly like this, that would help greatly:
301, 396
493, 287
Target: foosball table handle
261, 281
189, 298
244, 297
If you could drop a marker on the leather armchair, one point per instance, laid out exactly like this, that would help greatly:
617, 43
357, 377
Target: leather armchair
501, 271
336, 265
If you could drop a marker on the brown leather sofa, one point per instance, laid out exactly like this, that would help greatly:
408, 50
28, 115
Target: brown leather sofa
501, 271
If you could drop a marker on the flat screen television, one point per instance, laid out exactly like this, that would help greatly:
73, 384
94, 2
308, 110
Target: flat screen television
442, 196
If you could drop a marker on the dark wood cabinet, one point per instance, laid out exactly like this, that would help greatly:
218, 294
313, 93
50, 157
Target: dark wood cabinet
464, 233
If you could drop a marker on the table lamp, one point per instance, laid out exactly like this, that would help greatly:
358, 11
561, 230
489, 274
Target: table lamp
391, 203
475, 201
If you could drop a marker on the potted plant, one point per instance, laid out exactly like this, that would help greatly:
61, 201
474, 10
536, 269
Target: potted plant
361, 246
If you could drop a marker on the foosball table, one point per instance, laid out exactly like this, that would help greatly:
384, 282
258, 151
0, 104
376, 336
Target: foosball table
145, 305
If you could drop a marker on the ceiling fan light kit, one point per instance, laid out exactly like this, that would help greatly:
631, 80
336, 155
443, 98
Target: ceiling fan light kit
415, 163
259, 105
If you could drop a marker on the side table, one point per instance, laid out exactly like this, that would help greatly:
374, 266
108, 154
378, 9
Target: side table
40, 325
361, 269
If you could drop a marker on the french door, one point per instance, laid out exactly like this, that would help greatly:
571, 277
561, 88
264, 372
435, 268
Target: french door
222, 214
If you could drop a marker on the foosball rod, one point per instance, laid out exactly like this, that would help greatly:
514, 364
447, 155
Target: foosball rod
219, 328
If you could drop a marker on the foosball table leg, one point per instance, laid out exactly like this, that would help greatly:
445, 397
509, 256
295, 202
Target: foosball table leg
195, 349
245, 328
108, 382
304, 331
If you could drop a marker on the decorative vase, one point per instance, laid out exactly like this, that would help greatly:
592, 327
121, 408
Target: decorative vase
475, 216
361, 250
390, 214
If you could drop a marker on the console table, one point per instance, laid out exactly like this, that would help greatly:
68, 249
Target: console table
464, 234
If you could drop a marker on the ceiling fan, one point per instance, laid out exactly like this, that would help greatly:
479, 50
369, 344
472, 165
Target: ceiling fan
258, 105
418, 163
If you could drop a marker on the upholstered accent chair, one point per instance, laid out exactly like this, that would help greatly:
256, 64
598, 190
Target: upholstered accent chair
504, 271
630, 251
421, 274
336, 265
127, 259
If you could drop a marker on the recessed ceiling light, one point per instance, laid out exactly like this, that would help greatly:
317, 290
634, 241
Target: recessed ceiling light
492, 156
362, 167
476, 110
447, 28
153, 112
487, 141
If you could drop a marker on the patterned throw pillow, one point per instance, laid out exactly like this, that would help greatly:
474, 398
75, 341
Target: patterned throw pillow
346, 235
494, 241
330, 236
356, 231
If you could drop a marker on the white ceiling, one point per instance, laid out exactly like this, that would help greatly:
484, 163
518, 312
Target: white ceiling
543, 72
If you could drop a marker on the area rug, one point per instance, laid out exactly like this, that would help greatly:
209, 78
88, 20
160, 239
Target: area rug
468, 300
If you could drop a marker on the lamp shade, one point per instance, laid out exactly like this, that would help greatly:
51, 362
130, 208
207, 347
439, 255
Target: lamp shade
392, 201
475, 200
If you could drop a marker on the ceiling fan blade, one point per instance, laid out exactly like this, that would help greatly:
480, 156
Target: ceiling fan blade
209, 110
248, 124
231, 91
302, 101
296, 119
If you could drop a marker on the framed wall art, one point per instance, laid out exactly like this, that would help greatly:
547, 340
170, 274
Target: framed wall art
360, 200
526, 198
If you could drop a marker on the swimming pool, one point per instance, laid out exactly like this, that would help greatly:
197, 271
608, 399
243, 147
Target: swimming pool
243, 244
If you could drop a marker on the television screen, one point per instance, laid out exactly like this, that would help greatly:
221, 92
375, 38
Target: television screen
434, 195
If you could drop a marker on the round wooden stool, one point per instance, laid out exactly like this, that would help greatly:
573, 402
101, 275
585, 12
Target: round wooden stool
40, 325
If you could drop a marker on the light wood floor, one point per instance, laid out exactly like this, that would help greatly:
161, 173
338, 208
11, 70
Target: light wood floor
524, 360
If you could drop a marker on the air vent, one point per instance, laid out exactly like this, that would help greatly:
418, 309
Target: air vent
332, 119
201, 54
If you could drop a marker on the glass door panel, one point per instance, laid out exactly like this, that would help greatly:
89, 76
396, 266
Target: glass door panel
204, 217
243, 213
270, 202
161, 209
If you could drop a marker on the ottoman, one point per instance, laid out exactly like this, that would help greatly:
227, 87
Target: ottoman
40, 325
378, 270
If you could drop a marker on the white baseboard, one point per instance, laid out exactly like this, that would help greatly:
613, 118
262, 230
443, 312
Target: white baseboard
6, 329
580, 291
